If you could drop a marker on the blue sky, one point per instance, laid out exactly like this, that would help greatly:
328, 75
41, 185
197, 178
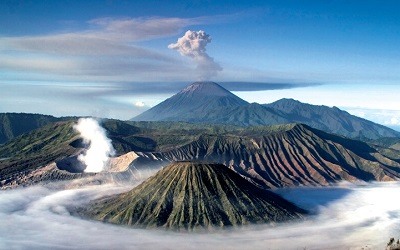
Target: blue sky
111, 58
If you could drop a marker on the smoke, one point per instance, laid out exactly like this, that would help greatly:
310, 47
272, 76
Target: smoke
100, 148
349, 217
193, 44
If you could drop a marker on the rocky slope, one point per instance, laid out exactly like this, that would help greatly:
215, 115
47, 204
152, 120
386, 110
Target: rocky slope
287, 155
190, 196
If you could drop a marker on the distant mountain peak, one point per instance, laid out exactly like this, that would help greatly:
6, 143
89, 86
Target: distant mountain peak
194, 102
205, 88
330, 119
286, 101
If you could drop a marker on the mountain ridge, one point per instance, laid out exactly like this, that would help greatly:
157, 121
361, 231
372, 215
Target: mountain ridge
291, 155
271, 156
331, 119
15, 124
196, 103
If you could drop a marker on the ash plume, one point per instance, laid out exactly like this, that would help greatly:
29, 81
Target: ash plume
100, 148
193, 44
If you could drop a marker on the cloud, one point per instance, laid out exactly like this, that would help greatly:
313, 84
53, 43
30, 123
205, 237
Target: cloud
105, 50
140, 104
136, 29
96, 157
39, 218
105, 36
193, 44
394, 121
262, 86
156, 88
40, 64
382, 116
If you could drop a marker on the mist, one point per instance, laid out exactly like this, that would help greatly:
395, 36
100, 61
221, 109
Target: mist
96, 157
345, 217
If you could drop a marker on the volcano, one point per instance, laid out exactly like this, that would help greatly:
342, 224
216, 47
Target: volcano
208, 102
190, 196
192, 103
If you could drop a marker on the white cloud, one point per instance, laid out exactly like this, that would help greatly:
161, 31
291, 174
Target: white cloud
140, 104
106, 50
50, 65
386, 117
395, 120
135, 29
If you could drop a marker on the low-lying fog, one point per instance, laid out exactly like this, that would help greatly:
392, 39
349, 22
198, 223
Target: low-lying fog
348, 217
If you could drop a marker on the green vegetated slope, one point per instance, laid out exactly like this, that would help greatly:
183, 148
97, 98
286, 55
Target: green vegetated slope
189, 196
36, 149
396, 146
387, 142
24, 158
15, 124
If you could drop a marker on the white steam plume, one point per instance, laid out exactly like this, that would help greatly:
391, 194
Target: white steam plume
193, 44
100, 148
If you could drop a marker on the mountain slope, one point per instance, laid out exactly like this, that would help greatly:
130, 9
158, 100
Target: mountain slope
286, 155
332, 120
15, 124
207, 102
192, 103
189, 195
36, 149
252, 114
49, 154
272, 156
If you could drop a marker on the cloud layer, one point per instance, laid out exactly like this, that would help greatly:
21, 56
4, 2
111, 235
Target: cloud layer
193, 44
106, 49
349, 217
390, 118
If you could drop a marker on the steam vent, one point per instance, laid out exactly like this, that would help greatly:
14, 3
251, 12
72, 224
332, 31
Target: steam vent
191, 196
